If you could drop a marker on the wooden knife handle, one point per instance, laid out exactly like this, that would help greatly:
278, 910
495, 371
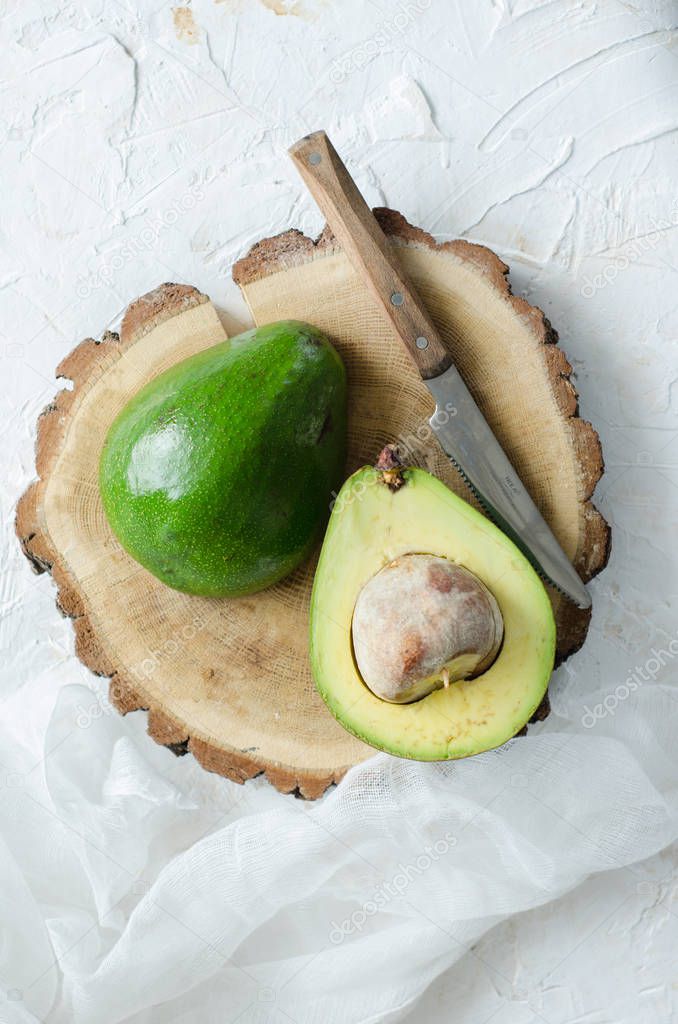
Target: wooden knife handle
367, 248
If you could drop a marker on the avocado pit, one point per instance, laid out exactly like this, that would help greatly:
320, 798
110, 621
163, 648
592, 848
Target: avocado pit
421, 623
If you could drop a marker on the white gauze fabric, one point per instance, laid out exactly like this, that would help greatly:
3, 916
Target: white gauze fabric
133, 880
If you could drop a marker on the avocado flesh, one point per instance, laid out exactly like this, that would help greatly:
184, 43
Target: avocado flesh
217, 476
371, 526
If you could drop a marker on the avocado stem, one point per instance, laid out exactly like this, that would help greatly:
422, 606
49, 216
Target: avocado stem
390, 465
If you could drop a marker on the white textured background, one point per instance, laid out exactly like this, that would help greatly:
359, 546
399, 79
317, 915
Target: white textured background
142, 144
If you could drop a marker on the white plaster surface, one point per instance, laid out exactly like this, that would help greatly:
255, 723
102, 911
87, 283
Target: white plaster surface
141, 144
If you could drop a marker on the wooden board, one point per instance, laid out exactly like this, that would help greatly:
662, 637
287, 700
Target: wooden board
230, 680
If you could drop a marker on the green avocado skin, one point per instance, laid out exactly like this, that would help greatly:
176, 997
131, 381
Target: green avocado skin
218, 475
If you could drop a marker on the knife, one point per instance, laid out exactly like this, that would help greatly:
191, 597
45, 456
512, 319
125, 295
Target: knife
465, 437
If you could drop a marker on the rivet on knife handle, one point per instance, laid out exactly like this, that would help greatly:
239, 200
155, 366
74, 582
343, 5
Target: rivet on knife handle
366, 246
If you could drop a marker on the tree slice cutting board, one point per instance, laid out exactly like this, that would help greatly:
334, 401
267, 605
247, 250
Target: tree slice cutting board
229, 680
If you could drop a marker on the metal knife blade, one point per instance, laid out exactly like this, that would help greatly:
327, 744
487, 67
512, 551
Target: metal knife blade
467, 439
458, 423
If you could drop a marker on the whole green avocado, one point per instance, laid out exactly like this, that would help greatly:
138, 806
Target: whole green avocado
218, 474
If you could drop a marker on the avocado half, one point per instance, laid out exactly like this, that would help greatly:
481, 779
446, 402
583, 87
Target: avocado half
370, 526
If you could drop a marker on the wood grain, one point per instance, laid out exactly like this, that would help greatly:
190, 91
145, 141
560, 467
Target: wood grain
229, 680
